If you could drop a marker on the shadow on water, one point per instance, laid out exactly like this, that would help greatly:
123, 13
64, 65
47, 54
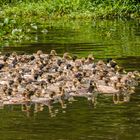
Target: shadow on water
80, 120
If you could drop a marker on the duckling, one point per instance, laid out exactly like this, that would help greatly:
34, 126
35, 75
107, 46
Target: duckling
92, 93
53, 53
27, 75
107, 89
39, 53
66, 56
137, 76
90, 59
74, 58
128, 77
111, 62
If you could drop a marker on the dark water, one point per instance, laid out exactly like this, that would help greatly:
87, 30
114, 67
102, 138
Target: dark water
80, 120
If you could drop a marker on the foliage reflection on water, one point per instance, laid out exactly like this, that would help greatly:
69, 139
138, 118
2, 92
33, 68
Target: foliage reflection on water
104, 38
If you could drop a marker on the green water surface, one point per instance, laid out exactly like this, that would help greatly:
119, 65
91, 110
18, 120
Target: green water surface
119, 39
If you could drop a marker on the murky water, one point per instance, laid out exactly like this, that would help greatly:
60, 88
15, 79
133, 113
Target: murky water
80, 120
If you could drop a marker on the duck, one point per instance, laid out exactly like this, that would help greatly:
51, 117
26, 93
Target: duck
66, 56
89, 60
46, 78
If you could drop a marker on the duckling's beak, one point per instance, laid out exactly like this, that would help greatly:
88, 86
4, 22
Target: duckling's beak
117, 67
114, 61
69, 57
94, 84
133, 88
124, 72
132, 76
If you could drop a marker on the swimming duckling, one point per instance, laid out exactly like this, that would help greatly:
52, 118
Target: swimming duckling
111, 62
66, 56
34, 71
53, 53
137, 76
90, 59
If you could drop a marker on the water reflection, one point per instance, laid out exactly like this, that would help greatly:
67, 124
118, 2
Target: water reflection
31, 109
78, 121
105, 38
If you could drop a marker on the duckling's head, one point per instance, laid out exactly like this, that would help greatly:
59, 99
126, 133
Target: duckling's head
11, 82
100, 63
92, 86
37, 93
90, 56
1, 66
32, 58
49, 78
119, 78
5, 58
52, 94
67, 56
14, 54
108, 60
69, 66
60, 88
59, 62
120, 69
43, 84
74, 57
7, 54
53, 53
112, 62
136, 73
39, 52
75, 81
130, 74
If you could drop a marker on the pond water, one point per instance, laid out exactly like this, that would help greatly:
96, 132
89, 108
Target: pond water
119, 39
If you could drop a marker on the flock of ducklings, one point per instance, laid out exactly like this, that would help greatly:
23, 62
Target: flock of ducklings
48, 78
